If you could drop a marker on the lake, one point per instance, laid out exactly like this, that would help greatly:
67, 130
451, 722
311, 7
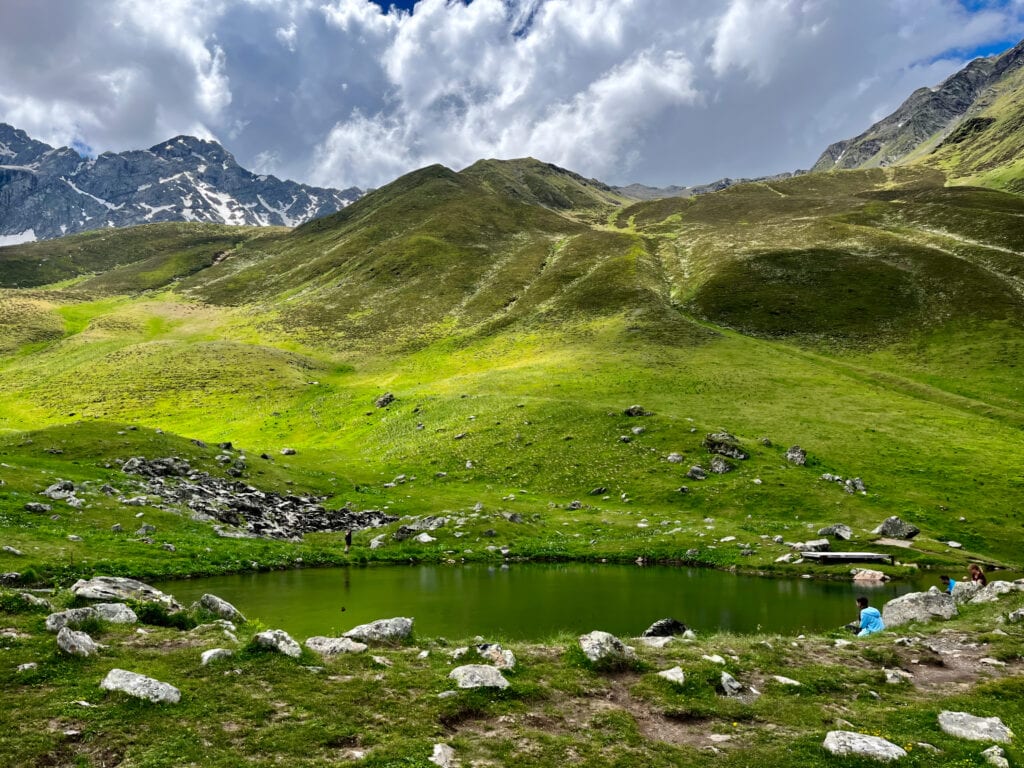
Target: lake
536, 601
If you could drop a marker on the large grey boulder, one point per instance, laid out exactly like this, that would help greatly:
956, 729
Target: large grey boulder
964, 591
115, 613
222, 608
991, 592
601, 647
863, 745
967, 726
332, 646
918, 606
478, 676
279, 641
895, 528
382, 631
76, 643
119, 588
140, 686
73, 617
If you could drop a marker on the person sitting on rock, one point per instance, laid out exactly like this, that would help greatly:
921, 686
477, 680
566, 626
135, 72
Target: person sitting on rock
977, 575
870, 619
947, 584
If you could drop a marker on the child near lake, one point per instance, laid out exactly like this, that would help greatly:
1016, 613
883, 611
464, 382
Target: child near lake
947, 584
870, 619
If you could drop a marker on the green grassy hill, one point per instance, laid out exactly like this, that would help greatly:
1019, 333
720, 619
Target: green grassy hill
515, 310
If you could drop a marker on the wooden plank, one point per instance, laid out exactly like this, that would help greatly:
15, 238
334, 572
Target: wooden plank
869, 557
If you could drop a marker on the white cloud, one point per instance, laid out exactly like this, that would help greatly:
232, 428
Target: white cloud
342, 92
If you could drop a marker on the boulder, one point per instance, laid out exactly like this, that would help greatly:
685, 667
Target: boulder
725, 444
781, 680
384, 400
119, 588
665, 628
215, 654
76, 643
35, 602
895, 528
918, 606
222, 608
992, 591
675, 458
38, 508
478, 676
637, 410
443, 756
502, 658
11, 550
1015, 617
605, 647
424, 538
967, 726
60, 490
815, 545
73, 617
140, 686
382, 631
797, 455
862, 745
697, 472
332, 646
279, 641
868, 575
838, 531
995, 756
288, 451
115, 613
855, 485
964, 591
674, 675
730, 685
720, 466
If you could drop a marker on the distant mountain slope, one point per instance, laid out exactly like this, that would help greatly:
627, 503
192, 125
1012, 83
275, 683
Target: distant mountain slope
47, 192
928, 117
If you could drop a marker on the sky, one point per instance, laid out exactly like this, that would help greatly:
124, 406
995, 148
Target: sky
355, 93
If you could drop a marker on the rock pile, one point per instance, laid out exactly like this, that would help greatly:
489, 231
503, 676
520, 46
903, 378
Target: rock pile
257, 513
725, 444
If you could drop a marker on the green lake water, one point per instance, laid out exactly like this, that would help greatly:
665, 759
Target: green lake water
535, 601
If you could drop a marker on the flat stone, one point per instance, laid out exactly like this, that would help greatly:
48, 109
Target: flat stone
851, 743
119, 588
140, 686
215, 654
443, 756
478, 676
382, 631
333, 646
674, 675
967, 726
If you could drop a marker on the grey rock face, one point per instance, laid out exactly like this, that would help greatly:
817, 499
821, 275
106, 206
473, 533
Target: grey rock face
724, 444
665, 628
221, 608
51, 192
115, 613
478, 676
895, 528
838, 530
851, 743
140, 686
382, 631
964, 591
278, 640
76, 643
73, 617
918, 606
119, 588
967, 726
332, 646
601, 646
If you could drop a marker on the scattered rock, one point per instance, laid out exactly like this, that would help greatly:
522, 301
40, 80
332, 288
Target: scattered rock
697, 472
478, 676
995, 755
797, 455
850, 743
675, 458
674, 675
215, 654
35, 602
918, 606
382, 631
76, 643
785, 680
868, 575
140, 686
59, 490
288, 451
119, 588
11, 550
222, 608
1015, 617
897, 529
954, 545
720, 466
713, 658
896, 676
838, 531
992, 591
333, 646
38, 508
967, 726
724, 444
637, 410
815, 545
603, 647
384, 400
665, 628
424, 538
278, 640
115, 613
655, 642
26, 667
443, 756
501, 658
730, 685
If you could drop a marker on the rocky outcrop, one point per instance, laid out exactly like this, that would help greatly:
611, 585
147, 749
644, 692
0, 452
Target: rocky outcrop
724, 444
221, 608
478, 676
382, 631
894, 528
333, 646
862, 745
918, 606
47, 192
120, 588
244, 507
992, 591
279, 641
140, 686
604, 648
967, 726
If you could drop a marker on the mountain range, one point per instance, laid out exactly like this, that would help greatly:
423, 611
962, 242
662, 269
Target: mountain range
47, 192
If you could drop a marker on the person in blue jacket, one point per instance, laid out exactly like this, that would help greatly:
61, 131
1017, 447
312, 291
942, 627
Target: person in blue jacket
870, 619
947, 584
